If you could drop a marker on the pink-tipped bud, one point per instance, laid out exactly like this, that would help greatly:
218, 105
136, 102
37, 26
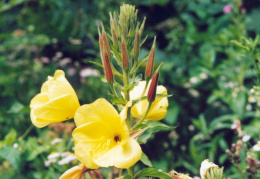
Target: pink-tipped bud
153, 87
136, 45
125, 59
107, 69
149, 66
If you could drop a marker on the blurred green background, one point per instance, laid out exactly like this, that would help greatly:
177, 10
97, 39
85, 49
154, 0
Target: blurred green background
207, 74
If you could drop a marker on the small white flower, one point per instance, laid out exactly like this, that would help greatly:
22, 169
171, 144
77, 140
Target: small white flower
56, 141
203, 76
251, 99
194, 80
15, 145
256, 147
246, 138
53, 155
205, 166
88, 72
249, 107
49, 162
67, 159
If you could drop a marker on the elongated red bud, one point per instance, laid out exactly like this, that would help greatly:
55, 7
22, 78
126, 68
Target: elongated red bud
125, 59
101, 45
107, 69
107, 47
153, 87
149, 66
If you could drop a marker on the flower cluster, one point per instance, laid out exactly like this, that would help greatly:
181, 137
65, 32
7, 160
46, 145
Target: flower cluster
105, 136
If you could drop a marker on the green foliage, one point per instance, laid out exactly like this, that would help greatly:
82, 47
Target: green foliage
211, 63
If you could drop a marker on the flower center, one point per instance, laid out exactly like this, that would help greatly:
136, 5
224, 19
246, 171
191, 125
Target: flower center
117, 138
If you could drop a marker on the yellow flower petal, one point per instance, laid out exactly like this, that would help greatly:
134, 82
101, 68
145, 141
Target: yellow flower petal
56, 102
126, 155
159, 107
102, 137
73, 173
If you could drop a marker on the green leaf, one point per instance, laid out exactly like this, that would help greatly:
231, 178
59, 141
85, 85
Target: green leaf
12, 155
146, 160
152, 172
16, 107
96, 63
152, 128
10, 137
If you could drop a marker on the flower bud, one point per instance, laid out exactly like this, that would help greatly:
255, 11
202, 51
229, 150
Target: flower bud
107, 47
125, 59
233, 148
149, 66
153, 86
107, 69
114, 38
101, 45
136, 45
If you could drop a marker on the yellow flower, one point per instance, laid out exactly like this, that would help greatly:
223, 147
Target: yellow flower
102, 138
158, 109
205, 166
57, 101
74, 172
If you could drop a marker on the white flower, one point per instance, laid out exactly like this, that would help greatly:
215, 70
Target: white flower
49, 162
203, 76
15, 145
251, 99
53, 155
194, 80
67, 159
205, 166
56, 140
256, 147
246, 138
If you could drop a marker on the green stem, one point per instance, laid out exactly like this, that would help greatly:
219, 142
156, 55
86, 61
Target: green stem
113, 89
143, 118
127, 97
26, 132
239, 170
131, 171
146, 85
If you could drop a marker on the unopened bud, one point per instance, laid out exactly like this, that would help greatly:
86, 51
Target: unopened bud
233, 148
149, 66
229, 154
101, 45
125, 59
104, 36
107, 69
136, 45
114, 37
153, 87
142, 27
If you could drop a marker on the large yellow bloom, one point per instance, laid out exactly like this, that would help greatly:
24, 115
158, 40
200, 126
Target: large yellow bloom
102, 137
158, 109
57, 101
